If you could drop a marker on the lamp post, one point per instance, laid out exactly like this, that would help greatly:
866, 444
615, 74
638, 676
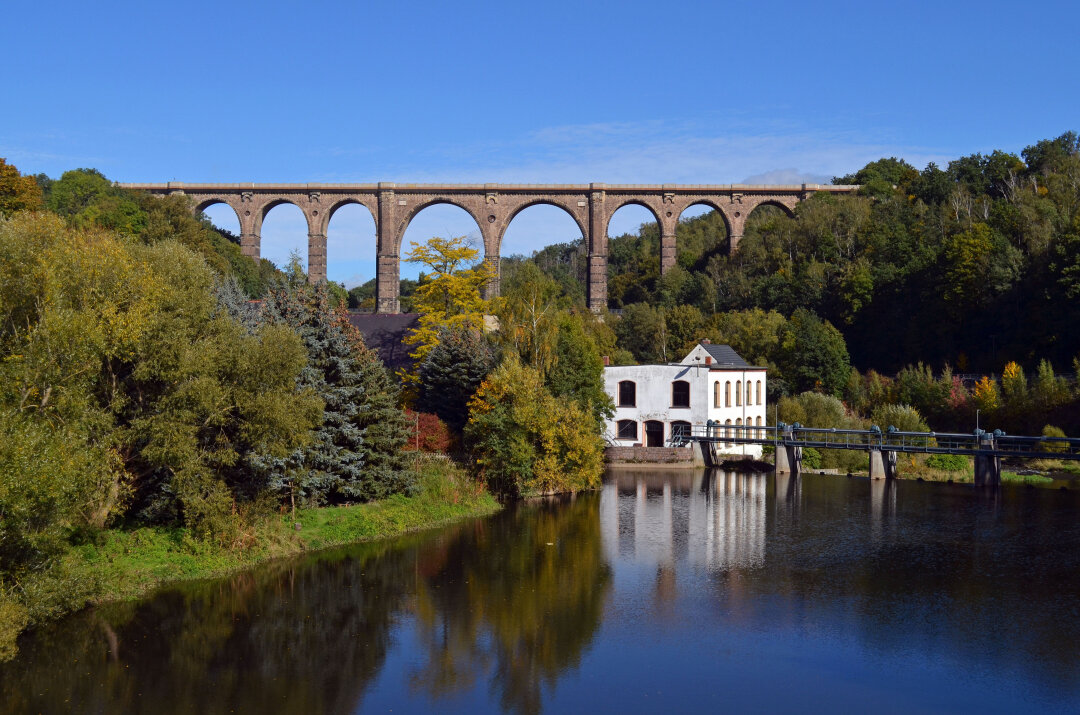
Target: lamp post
976, 419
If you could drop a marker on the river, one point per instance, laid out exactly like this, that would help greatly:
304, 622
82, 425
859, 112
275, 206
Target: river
667, 591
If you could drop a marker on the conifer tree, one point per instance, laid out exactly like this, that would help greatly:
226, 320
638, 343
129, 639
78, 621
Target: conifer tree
451, 372
385, 425
355, 454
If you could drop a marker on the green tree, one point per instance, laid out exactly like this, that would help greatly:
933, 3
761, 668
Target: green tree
578, 371
813, 355
451, 373
528, 312
526, 442
355, 453
643, 331
685, 326
1049, 390
903, 417
127, 346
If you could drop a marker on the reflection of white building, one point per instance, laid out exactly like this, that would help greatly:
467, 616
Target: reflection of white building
714, 520
655, 403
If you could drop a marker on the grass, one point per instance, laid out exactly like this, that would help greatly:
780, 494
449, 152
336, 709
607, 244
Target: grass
132, 563
1014, 478
1062, 466
126, 564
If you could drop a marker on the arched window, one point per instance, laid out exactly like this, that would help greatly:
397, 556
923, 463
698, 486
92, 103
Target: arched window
738, 393
748, 386
716, 394
727, 428
680, 431
727, 394
680, 393
626, 429
627, 393
760, 432
759, 392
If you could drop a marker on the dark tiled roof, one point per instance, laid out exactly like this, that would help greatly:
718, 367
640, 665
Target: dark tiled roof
384, 334
724, 356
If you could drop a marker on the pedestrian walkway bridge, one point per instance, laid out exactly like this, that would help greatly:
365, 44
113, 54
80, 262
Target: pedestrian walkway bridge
883, 446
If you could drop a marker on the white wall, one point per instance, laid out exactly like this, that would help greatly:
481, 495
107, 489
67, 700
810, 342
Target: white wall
654, 399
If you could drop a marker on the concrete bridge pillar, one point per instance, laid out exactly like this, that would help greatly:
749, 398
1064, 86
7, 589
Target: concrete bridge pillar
882, 464
987, 466
788, 458
388, 263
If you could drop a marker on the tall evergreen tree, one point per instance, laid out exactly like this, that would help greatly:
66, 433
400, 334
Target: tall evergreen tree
452, 371
356, 451
384, 424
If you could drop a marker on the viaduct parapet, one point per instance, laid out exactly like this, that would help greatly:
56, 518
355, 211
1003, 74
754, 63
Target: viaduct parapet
493, 207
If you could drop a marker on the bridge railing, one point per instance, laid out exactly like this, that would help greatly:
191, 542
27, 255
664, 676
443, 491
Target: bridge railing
995, 443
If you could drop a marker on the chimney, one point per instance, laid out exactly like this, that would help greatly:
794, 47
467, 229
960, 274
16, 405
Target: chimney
607, 361
706, 341
708, 359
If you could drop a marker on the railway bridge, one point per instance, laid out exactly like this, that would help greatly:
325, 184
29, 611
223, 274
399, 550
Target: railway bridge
493, 207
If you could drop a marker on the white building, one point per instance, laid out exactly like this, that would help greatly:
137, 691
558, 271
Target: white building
655, 403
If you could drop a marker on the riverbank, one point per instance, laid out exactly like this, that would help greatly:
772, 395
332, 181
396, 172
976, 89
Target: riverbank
118, 564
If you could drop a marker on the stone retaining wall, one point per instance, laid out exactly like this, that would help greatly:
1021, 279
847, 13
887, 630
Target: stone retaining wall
651, 455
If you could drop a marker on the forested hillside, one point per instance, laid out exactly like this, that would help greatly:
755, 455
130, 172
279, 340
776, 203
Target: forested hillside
970, 265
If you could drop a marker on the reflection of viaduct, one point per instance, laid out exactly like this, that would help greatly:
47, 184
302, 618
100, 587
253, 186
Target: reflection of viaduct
492, 206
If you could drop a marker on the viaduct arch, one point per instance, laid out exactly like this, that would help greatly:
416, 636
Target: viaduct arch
493, 207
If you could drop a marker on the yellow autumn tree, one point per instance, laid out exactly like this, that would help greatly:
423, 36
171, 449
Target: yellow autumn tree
986, 394
450, 296
17, 192
1014, 384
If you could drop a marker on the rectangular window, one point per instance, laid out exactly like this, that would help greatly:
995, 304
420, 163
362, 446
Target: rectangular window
627, 394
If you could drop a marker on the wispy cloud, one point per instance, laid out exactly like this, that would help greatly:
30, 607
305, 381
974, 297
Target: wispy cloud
27, 159
658, 152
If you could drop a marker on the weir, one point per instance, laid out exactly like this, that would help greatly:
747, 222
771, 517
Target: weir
883, 448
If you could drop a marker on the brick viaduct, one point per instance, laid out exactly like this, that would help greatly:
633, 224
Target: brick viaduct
492, 206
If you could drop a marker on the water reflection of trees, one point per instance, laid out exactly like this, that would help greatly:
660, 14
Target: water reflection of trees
515, 599
985, 580
293, 637
519, 599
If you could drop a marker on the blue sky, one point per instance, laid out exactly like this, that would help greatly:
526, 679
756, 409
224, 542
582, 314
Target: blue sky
617, 92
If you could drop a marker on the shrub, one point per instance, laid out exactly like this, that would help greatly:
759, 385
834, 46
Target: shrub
947, 462
13, 618
903, 417
811, 458
1052, 431
427, 433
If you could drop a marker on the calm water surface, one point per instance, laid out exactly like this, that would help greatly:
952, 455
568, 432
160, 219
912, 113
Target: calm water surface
667, 591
